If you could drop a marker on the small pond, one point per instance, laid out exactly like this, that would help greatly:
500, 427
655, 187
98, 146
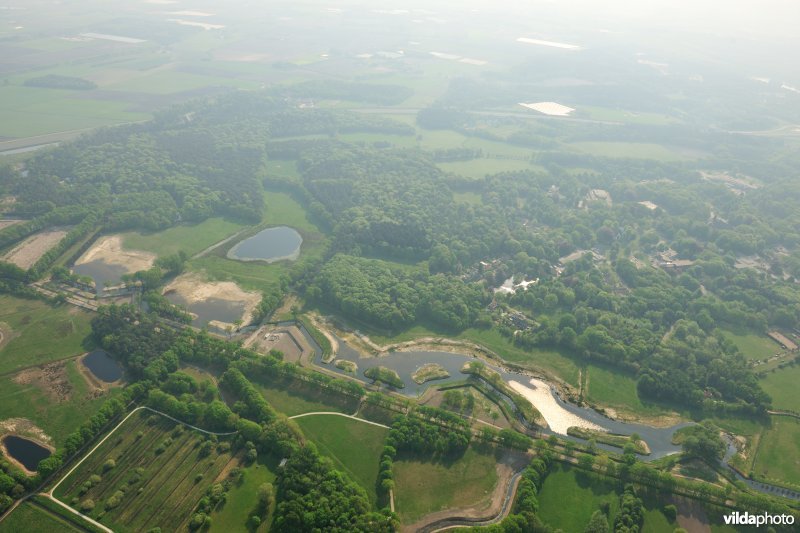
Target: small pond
103, 366
209, 309
104, 274
25, 451
270, 245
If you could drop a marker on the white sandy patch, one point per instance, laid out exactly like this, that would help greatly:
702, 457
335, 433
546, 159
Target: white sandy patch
193, 289
790, 88
203, 25
191, 14
442, 55
470, 61
115, 38
549, 108
25, 254
552, 44
109, 250
762, 80
557, 418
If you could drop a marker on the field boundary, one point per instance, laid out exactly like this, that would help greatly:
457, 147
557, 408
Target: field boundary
50, 495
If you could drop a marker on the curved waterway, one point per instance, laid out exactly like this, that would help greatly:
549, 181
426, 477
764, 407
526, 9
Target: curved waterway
558, 414
27, 452
270, 245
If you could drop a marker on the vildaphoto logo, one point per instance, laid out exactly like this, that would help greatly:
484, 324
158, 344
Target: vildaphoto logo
766, 519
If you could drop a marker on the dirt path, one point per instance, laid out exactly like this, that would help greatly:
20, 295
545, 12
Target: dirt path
218, 244
509, 468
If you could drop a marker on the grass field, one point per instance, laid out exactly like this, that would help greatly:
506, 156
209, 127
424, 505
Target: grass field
778, 454
31, 518
57, 415
159, 475
479, 168
569, 497
781, 385
297, 398
354, 446
39, 333
423, 487
632, 150
29, 111
612, 389
752, 345
191, 239
242, 500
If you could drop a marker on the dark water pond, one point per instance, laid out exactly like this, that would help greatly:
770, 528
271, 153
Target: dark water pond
103, 366
25, 451
210, 309
101, 272
272, 244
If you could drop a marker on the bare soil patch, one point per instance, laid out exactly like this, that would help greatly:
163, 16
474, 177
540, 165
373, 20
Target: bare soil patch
109, 250
51, 379
194, 289
286, 339
507, 465
25, 254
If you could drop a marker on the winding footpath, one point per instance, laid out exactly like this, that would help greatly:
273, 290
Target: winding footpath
333, 413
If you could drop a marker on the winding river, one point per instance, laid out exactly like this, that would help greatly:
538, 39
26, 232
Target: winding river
559, 414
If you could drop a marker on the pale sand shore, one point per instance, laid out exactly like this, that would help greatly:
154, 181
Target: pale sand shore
558, 419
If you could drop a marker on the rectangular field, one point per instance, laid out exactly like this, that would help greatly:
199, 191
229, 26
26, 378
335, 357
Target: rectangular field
752, 345
30, 517
25, 254
150, 473
781, 385
778, 451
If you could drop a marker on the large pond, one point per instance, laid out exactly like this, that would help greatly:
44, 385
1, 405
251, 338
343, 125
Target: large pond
270, 245
558, 413
25, 451
103, 366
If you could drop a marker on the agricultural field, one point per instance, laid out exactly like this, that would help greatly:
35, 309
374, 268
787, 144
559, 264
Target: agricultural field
752, 345
150, 473
56, 398
634, 150
423, 487
26, 253
781, 385
35, 332
779, 450
355, 447
32, 518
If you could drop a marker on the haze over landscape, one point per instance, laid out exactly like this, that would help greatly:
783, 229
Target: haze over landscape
368, 266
